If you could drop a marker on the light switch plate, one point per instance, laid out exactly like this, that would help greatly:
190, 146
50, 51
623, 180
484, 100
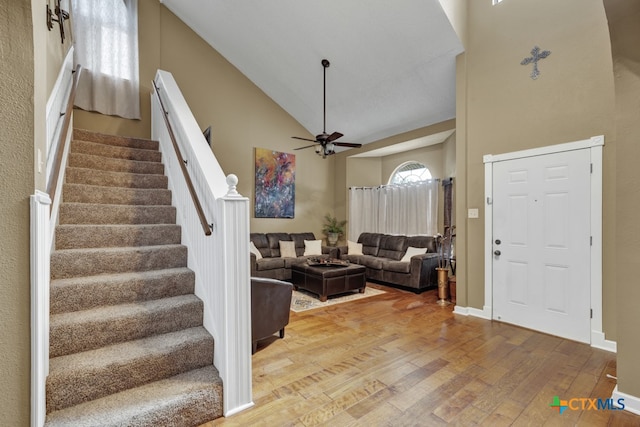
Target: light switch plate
473, 213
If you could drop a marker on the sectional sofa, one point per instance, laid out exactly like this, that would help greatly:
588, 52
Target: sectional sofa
269, 257
407, 261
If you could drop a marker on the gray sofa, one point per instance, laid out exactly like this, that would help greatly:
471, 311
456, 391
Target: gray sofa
382, 254
272, 265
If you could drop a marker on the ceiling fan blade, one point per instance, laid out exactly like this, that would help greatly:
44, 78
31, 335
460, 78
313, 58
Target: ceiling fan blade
306, 146
347, 144
334, 136
304, 139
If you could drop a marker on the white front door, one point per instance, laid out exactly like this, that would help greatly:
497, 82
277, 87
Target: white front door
541, 243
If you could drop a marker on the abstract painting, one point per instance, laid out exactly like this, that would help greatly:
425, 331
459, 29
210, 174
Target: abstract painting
275, 184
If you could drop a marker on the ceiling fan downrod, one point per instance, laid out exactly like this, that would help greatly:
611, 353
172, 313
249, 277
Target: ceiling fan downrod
325, 65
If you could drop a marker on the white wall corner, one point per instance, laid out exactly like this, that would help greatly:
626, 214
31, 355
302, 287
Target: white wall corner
631, 403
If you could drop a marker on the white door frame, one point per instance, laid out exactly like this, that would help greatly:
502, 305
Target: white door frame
594, 144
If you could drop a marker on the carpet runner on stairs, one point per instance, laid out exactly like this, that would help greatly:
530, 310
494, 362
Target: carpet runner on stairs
127, 345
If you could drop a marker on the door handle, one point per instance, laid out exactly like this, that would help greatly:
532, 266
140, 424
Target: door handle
498, 241
497, 253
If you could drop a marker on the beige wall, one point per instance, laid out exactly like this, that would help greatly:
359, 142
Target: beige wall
364, 171
449, 157
241, 115
624, 17
501, 109
17, 178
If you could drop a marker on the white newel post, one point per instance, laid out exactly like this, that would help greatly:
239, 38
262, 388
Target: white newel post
231, 230
40, 266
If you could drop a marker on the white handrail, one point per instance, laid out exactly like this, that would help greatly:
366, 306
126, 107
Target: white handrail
221, 261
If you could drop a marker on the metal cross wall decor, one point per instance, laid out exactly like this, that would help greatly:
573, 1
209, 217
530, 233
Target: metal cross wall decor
536, 56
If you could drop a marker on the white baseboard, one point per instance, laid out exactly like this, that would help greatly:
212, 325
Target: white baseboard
239, 409
598, 340
631, 403
475, 312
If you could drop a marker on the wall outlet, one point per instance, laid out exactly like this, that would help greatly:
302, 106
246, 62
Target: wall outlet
473, 213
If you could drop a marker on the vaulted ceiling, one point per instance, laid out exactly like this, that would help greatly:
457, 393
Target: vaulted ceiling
392, 62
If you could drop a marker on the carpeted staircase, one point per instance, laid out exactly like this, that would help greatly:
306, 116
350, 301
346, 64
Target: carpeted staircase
127, 346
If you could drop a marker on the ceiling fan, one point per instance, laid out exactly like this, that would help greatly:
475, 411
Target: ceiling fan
326, 142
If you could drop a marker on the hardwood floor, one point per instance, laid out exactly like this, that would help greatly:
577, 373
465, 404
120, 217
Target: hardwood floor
399, 359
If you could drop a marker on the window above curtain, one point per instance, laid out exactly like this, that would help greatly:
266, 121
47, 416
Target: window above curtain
410, 172
106, 45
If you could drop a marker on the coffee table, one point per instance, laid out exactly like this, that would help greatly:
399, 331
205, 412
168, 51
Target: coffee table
327, 280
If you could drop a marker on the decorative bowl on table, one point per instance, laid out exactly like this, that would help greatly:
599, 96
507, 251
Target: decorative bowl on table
324, 262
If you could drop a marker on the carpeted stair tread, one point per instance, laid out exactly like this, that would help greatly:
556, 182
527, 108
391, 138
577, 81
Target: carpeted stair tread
185, 400
90, 161
94, 213
86, 376
127, 345
83, 293
113, 151
90, 329
115, 179
67, 263
75, 236
122, 141
83, 193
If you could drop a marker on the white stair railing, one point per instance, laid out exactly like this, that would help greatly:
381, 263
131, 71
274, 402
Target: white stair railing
220, 260
44, 209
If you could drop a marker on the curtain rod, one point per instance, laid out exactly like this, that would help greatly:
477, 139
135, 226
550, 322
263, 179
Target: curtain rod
396, 185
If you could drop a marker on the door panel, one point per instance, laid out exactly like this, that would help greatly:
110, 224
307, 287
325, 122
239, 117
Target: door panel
541, 216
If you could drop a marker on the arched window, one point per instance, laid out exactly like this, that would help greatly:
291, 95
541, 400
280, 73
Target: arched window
409, 172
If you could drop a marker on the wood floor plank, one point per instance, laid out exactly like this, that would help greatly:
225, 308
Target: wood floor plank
350, 396
400, 359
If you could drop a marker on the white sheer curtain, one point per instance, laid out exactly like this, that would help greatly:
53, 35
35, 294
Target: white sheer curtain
363, 211
106, 45
394, 209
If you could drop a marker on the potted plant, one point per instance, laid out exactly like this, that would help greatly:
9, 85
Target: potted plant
333, 229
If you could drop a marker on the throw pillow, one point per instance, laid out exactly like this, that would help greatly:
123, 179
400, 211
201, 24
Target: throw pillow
312, 247
288, 249
354, 248
254, 250
411, 251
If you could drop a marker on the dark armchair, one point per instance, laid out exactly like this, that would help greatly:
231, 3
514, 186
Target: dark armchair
270, 305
